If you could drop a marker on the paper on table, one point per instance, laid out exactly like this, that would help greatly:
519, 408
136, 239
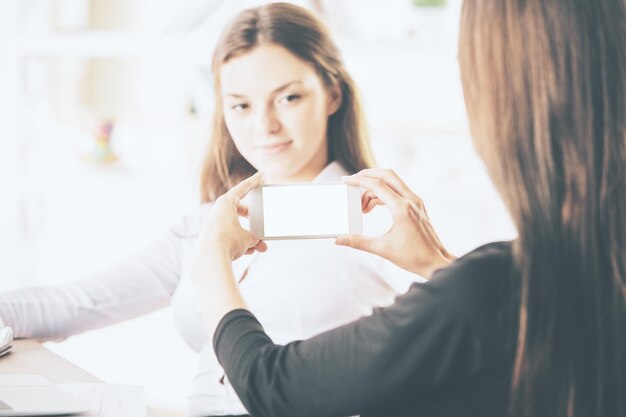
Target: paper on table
6, 340
110, 400
23, 379
19, 390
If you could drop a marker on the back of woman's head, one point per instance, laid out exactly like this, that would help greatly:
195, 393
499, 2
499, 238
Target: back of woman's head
545, 89
306, 37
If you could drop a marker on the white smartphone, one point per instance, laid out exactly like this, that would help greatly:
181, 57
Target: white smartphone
305, 211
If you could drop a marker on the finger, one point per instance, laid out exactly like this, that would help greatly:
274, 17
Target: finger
366, 197
437, 241
242, 189
370, 206
358, 180
242, 209
393, 180
350, 179
370, 197
261, 246
369, 201
364, 243
381, 190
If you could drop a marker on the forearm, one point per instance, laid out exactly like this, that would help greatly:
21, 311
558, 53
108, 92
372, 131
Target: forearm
43, 313
58, 312
217, 290
347, 371
417, 344
267, 382
137, 285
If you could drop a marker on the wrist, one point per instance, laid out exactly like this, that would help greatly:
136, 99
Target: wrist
213, 248
217, 251
439, 262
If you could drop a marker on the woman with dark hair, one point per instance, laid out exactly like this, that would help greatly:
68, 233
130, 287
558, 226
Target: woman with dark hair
534, 327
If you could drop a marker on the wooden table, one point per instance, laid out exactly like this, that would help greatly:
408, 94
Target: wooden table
31, 357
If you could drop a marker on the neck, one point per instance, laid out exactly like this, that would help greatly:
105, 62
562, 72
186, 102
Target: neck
306, 174
299, 177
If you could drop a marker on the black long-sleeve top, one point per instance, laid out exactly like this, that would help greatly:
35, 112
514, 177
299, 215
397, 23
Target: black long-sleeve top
445, 348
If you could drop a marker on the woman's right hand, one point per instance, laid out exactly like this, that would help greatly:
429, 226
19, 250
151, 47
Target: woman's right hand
411, 242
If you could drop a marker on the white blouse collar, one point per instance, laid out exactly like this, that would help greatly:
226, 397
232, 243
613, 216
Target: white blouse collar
331, 172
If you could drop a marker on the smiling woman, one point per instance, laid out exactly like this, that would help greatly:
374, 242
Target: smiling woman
277, 115
285, 103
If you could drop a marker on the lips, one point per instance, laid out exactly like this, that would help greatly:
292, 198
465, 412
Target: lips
273, 148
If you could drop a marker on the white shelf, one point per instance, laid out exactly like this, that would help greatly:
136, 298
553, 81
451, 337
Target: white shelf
99, 44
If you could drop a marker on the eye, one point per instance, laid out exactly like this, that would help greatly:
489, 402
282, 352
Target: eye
239, 107
289, 98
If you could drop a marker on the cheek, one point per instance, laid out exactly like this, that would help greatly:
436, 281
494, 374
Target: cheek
239, 132
309, 121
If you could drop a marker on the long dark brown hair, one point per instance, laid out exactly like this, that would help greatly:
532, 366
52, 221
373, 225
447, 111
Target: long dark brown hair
545, 88
305, 36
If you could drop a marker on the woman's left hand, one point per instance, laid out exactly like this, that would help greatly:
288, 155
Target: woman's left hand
221, 231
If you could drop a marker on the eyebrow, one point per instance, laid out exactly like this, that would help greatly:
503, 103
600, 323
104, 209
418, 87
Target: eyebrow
276, 90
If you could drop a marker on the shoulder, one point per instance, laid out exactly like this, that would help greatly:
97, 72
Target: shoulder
485, 263
478, 284
460, 305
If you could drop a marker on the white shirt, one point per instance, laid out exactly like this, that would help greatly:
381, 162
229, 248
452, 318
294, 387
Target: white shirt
297, 289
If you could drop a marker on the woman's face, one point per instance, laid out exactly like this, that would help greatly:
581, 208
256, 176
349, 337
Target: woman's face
276, 109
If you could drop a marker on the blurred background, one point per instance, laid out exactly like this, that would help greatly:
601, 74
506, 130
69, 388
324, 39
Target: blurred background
105, 110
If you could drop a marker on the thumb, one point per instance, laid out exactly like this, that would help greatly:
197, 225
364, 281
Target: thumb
363, 243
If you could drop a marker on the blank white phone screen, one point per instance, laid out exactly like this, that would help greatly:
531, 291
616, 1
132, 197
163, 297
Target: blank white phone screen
311, 210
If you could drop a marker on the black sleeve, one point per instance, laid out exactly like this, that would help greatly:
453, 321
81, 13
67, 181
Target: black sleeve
419, 344
349, 370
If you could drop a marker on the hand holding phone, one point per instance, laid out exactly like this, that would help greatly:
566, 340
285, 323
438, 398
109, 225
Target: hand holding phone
412, 242
305, 211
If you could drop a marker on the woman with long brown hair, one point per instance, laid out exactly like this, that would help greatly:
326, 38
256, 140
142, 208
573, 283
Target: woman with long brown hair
534, 327
286, 105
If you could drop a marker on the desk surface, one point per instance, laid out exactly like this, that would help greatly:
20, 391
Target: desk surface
30, 357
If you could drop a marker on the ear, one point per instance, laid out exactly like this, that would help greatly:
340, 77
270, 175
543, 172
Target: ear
335, 98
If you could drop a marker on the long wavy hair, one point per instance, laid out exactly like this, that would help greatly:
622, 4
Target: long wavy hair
545, 88
305, 36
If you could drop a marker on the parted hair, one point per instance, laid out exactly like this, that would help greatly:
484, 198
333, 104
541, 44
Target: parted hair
545, 89
305, 36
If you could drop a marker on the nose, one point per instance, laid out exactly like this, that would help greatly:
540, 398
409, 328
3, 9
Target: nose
267, 122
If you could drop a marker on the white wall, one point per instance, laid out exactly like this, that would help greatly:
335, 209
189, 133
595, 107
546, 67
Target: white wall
10, 143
